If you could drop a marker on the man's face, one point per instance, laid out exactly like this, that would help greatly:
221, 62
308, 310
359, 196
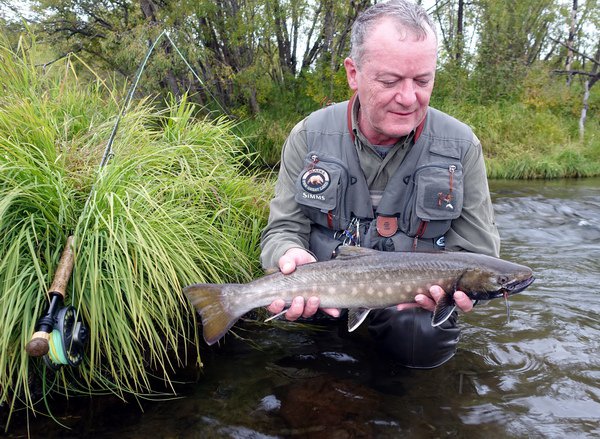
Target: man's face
394, 82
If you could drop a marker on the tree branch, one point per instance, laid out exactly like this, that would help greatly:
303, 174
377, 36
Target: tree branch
589, 58
576, 72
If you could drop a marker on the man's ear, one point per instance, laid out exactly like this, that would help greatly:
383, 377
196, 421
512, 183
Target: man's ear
351, 72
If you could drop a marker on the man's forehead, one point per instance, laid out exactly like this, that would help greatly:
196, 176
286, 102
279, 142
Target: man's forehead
389, 27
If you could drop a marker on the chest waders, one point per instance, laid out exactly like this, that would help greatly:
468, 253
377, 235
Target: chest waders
417, 207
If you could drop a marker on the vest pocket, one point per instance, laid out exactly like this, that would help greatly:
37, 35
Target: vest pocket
436, 197
439, 192
321, 190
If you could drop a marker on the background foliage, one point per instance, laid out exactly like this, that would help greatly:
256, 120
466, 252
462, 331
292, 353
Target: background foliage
270, 62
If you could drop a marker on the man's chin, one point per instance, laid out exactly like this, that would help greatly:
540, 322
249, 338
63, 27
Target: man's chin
402, 127
398, 132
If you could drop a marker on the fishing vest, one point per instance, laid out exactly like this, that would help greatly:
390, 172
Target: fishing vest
418, 204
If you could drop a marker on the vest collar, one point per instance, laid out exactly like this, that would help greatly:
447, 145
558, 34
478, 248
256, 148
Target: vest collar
352, 128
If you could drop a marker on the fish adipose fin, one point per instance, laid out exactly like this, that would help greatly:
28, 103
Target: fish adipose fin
356, 316
210, 302
443, 310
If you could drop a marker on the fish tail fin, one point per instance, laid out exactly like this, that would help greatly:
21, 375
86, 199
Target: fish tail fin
212, 305
443, 310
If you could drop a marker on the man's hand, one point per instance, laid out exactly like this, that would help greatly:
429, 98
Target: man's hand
294, 257
462, 300
287, 264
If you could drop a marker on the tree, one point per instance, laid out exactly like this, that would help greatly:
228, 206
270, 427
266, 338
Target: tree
451, 16
571, 39
578, 46
511, 39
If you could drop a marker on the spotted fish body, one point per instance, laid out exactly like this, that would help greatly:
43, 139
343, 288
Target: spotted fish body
362, 279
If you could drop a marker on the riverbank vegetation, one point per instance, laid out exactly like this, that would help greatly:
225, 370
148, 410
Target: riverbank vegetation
176, 204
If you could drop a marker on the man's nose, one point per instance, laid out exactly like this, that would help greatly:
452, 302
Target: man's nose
406, 94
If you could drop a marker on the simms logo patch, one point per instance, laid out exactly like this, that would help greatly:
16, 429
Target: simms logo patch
315, 180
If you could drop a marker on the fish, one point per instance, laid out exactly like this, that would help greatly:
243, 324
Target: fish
362, 279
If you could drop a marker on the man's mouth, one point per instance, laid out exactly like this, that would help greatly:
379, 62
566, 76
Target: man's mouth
402, 113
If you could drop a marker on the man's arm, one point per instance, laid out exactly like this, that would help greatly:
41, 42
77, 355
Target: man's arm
288, 227
284, 242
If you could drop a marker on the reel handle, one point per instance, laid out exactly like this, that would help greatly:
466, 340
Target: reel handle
38, 346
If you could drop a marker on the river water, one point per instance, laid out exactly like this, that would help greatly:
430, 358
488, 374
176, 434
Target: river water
537, 375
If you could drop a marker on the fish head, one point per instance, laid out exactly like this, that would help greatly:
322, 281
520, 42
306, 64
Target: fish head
497, 279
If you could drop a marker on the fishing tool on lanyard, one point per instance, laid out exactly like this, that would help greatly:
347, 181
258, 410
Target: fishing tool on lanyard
351, 235
61, 335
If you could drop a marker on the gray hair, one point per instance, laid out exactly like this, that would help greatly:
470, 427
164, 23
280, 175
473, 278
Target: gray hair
407, 15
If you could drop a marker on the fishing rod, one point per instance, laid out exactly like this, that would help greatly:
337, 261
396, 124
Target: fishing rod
61, 335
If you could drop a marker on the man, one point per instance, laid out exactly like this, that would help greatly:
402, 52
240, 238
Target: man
384, 170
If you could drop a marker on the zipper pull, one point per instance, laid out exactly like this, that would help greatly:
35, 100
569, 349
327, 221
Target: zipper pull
451, 170
447, 198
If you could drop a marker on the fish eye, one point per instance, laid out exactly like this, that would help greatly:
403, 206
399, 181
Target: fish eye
502, 279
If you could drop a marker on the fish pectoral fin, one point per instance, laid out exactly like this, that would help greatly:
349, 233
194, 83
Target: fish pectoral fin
356, 316
443, 310
274, 316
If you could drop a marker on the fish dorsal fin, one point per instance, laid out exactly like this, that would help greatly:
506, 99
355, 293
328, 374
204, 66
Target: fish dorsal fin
443, 310
356, 316
345, 252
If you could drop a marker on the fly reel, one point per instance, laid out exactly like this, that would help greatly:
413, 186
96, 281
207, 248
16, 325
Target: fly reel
67, 340
60, 335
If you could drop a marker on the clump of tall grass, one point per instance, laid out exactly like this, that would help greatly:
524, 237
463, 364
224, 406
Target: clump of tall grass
175, 205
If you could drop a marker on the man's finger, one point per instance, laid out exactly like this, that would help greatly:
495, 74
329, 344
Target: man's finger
276, 307
425, 302
463, 301
286, 265
333, 312
311, 307
403, 306
437, 293
296, 309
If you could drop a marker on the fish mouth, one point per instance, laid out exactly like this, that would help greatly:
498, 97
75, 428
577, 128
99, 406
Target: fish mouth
517, 286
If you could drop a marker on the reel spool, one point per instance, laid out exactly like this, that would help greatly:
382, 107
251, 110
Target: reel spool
67, 340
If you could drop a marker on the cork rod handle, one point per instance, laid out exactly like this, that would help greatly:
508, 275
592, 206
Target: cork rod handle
64, 270
39, 344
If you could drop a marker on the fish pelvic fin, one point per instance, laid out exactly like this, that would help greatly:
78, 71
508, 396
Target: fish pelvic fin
443, 310
356, 316
211, 304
